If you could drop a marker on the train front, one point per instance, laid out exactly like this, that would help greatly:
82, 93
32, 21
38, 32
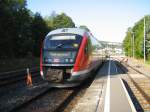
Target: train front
58, 57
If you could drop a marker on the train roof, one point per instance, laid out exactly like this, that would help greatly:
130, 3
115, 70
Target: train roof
78, 31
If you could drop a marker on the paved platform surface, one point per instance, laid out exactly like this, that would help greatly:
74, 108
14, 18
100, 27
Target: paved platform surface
118, 98
106, 93
119, 102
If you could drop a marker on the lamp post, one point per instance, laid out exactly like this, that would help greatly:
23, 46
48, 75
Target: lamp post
131, 47
144, 42
133, 43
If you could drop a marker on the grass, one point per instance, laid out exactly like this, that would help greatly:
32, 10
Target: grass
141, 61
148, 62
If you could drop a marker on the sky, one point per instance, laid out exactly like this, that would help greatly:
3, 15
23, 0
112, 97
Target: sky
108, 20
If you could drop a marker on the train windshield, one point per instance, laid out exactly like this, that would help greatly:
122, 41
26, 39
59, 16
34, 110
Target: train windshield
66, 41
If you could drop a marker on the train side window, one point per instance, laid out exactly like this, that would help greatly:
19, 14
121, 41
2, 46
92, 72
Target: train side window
86, 49
88, 46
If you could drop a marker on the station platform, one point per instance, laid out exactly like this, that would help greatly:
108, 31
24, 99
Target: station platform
106, 93
92, 99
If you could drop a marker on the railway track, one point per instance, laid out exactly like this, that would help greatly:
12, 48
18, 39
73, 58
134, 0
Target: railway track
52, 99
138, 86
13, 89
43, 98
24, 97
9, 78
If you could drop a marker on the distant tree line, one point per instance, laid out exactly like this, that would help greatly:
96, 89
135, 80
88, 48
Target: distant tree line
138, 32
22, 31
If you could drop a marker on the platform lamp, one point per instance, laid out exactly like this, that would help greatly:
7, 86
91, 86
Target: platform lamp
133, 35
144, 43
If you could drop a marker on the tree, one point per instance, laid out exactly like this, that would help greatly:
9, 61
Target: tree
22, 31
138, 40
12, 14
63, 21
127, 43
39, 30
49, 19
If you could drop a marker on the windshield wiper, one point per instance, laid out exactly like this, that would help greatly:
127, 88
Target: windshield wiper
59, 45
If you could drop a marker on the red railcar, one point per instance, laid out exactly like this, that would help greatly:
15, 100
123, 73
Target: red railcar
68, 56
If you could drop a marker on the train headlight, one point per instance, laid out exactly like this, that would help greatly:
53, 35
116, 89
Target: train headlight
48, 60
71, 60
66, 60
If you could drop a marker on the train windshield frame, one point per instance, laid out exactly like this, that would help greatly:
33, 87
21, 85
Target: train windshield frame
62, 41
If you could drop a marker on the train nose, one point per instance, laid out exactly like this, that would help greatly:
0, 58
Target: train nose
56, 74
